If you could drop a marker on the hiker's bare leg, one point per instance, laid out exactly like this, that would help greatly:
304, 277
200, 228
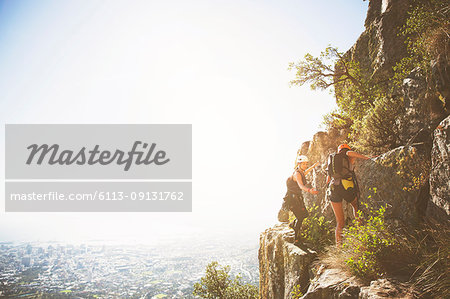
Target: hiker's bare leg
354, 204
340, 220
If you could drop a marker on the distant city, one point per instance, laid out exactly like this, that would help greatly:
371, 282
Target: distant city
102, 270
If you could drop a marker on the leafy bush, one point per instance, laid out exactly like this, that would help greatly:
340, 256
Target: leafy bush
317, 231
296, 292
217, 283
373, 249
378, 131
367, 244
335, 120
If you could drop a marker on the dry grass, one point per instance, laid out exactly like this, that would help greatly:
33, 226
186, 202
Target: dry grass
432, 274
334, 257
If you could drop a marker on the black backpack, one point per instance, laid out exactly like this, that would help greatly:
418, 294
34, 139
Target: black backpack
338, 166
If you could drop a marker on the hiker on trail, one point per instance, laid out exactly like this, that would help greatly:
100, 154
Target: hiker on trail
342, 184
294, 197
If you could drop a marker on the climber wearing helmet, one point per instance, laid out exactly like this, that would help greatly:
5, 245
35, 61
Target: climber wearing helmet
294, 197
342, 184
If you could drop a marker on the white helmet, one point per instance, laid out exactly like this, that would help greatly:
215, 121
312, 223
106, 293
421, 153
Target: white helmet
302, 158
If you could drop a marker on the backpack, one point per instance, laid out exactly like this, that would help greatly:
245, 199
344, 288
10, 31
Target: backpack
338, 165
283, 214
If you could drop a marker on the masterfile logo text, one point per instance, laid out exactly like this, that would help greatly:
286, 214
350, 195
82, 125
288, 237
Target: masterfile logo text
91, 157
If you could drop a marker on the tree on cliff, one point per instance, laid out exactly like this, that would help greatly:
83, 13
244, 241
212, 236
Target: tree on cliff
217, 283
354, 90
362, 105
369, 106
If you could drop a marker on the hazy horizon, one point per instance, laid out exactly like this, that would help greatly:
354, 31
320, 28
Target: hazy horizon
220, 66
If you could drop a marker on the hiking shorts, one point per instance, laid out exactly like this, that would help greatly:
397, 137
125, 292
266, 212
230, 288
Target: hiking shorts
336, 193
296, 205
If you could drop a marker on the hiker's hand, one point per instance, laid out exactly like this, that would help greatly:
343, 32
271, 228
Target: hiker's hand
313, 191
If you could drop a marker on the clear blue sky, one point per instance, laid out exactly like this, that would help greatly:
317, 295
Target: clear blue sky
220, 65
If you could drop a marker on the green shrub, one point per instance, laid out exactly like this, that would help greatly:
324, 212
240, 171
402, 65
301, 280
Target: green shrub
217, 283
335, 120
378, 132
316, 231
366, 244
373, 249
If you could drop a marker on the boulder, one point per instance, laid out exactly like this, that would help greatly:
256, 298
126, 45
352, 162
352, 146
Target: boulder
384, 288
441, 76
333, 283
395, 179
423, 110
439, 206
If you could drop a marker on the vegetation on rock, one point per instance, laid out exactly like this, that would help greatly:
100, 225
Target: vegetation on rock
374, 249
427, 30
369, 106
367, 243
217, 283
316, 230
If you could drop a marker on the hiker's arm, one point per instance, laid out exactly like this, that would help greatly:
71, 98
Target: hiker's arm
302, 186
310, 168
356, 155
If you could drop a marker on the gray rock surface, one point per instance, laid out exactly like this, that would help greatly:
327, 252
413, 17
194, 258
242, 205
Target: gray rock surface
395, 179
283, 266
379, 47
333, 283
383, 288
440, 172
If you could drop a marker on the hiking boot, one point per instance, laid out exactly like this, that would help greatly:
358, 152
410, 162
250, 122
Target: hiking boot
293, 224
300, 244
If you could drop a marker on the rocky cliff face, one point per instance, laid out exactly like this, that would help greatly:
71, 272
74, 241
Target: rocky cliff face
413, 180
398, 178
284, 268
380, 48
287, 271
439, 206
